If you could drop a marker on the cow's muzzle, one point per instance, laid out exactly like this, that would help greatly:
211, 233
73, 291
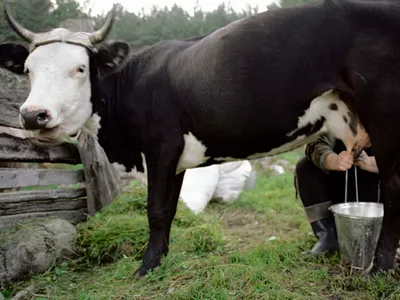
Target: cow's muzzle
36, 119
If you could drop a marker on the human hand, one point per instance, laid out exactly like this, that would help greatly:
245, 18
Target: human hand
367, 163
339, 162
345, 161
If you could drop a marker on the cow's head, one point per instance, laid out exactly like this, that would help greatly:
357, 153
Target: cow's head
61, 65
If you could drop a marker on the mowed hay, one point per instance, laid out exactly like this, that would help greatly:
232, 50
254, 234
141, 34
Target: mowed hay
240, 261
109, 238
122, 230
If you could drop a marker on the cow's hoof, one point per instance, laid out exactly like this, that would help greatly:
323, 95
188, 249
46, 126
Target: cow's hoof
145, 268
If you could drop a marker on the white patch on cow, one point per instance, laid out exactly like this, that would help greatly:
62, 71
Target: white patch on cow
193, 153
319, 107
59, 85
134, 173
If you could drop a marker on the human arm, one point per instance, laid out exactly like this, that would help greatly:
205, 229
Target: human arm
367, 163
321, 153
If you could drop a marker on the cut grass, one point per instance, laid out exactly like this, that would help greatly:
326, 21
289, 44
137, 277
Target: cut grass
249, 249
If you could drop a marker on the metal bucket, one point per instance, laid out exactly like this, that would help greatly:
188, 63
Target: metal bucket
358, 226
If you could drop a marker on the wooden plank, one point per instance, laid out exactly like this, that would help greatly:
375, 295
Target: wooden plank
12, 203
36, 195
69, 215
102, 184
7, 209
12, 178
14, 149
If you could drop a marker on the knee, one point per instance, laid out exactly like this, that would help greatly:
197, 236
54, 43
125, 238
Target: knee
304, 166
307, 174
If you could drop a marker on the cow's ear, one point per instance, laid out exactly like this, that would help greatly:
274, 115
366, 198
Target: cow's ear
110, 55
13, 56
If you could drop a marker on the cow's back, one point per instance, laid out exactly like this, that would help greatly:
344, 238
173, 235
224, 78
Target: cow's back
254, 77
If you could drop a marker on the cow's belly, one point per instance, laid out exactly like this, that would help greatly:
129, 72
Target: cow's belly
278, 149
326, 113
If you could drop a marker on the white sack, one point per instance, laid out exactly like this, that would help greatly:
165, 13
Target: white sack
198, 187
232, 179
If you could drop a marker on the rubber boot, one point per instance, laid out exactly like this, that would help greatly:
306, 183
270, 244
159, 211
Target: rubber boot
325, 231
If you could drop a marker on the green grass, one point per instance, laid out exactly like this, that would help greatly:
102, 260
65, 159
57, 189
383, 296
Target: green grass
249, 249
292, 156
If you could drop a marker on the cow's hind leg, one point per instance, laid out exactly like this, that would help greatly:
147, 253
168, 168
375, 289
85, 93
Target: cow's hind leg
390, 234
163, 193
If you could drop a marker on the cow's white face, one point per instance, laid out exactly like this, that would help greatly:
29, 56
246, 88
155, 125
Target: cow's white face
59, 102
60, 89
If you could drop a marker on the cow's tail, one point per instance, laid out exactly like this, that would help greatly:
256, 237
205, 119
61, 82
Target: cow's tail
295, 183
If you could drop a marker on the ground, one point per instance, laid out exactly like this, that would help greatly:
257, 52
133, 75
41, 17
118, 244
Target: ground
250, 249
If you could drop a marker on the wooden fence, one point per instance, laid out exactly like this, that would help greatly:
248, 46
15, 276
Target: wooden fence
58, 191
71, 194
17, 207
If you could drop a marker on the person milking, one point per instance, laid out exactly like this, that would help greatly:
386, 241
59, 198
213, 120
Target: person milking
320, 182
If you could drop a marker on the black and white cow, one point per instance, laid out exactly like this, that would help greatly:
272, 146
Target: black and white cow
259, 86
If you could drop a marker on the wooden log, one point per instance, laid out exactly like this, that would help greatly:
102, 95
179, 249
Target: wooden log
8, 209
42, 201
102, 184
69, 215
36, 195
14, 149
12, 178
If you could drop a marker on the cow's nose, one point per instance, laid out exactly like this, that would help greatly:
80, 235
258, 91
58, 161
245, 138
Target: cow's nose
36, 119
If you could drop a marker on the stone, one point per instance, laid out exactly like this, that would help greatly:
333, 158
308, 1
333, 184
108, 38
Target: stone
32, 249
25, 294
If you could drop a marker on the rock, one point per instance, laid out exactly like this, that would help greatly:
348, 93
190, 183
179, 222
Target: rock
278, 169
272, 165
32, 249
25, 294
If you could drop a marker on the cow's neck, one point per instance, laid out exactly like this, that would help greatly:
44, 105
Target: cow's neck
114, 103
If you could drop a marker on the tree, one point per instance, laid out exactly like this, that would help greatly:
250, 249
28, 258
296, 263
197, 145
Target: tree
32, 14
140, 30
65, 9
286, 3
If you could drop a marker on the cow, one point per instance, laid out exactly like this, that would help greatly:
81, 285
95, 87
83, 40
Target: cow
259, 86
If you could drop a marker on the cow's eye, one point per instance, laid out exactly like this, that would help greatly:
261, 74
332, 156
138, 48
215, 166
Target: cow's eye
81, 69
26, 71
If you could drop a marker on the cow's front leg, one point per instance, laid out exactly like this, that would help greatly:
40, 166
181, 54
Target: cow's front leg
163, 193
388, 242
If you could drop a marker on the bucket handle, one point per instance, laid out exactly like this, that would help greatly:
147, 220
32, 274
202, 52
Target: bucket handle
346, 184
356, 185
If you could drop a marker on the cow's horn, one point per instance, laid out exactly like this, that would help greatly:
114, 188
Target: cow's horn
99, 35
23, 32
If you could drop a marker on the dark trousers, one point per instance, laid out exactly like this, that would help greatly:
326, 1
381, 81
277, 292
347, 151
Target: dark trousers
314, 186
319, 190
